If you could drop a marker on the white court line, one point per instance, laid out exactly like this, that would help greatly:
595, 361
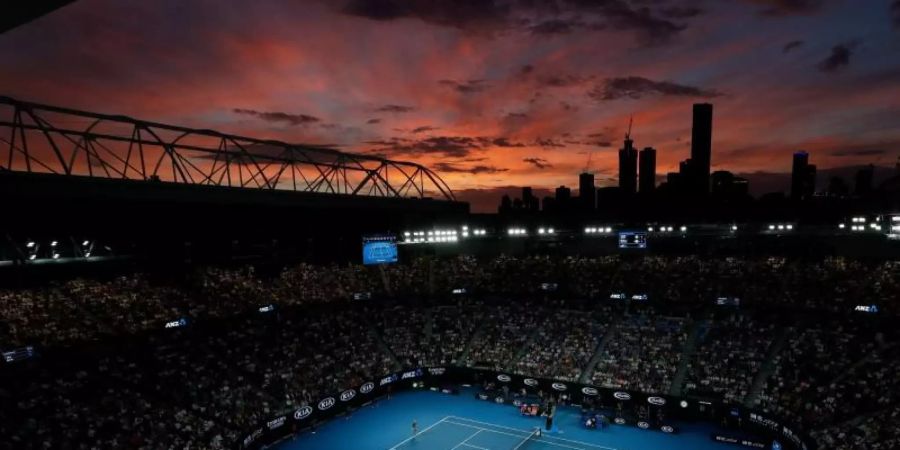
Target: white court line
466, 440
529, 432
475, 446
555, 444
424, 430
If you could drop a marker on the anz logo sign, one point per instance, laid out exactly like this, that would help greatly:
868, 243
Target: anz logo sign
504, 378
273, 424
411, 374
622, 395
326, 403
303, 412
367, 387
348, 395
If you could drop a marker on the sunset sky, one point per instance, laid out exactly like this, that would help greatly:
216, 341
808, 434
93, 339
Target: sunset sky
490, 94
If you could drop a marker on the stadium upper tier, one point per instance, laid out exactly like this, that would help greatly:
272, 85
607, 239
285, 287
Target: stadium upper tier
200, 360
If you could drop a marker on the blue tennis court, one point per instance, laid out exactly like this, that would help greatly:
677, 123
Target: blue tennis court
461, 422
453, 432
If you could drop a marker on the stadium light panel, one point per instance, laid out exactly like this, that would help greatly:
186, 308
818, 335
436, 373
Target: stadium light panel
789, 227
842, 226
53, 243
683, 228
551, 231
649, 228
771, 227
30, 244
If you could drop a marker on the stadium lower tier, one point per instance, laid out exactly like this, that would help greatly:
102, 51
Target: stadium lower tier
498, 411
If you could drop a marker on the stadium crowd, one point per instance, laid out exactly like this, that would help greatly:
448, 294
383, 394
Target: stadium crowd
113, 376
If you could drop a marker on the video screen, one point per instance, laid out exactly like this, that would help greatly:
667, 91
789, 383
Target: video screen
632, 239
379, 250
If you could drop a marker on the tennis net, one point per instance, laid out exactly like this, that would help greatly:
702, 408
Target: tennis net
530, 438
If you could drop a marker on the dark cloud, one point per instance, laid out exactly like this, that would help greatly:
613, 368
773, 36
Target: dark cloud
465, 87
791, 46
859, 152
447, 146
395, 109
563, 80
466, 14
568, 107
504, 142
373, 121
422, 129
779, 8
637, 87
680, 12
838, 59
651, 30
540, 163
490, 16
528, 68
548, 143
474, 170
278, 117
515, 116
555, 26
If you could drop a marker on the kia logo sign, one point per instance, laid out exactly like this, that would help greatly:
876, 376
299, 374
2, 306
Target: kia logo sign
303, 412
658, 401
643, 425
531, 382
619, 421
667, 429
326, 403
622, 395
348, 395
588, 391
559, 386
504, 378
367, 387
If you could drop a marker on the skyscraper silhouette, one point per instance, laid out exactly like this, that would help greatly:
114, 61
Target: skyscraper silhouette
587, 193
803, 177
701, 148
628, 167
648, 170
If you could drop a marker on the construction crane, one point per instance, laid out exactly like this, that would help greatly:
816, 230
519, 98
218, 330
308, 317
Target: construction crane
587, 165
628, 133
